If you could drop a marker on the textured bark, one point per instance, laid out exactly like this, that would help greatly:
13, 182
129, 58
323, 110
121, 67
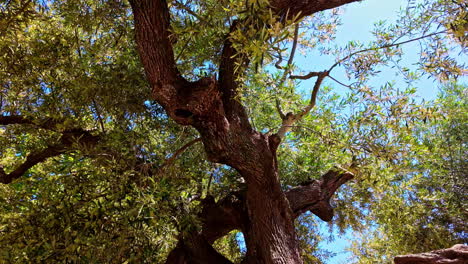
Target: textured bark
457, 254
314, 196
230, 213
211, 107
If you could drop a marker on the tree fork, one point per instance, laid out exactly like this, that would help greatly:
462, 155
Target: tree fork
210, 107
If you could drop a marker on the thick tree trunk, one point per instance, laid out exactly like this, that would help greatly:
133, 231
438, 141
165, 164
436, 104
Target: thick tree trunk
265, 214
270, 235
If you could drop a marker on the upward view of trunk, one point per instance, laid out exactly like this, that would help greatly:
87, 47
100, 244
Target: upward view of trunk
264, 213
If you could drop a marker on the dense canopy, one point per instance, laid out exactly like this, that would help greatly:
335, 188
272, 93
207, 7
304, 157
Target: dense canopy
184, 131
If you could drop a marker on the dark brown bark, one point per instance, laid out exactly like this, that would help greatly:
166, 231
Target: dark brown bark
457, 254
210, 106
230, 213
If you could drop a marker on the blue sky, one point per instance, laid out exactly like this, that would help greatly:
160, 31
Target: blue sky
357, 23
358, 20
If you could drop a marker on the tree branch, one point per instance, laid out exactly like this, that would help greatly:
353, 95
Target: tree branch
287, 69
457, 254
291, 118
315, 74
46, 123
288, 9
291, 56
218, 219
67, 140
315, 195
152, 23
31, 160
230, 213
305, 77
382, 47
230, 68
171, 160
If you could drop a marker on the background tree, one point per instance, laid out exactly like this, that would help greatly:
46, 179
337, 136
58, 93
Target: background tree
96, 161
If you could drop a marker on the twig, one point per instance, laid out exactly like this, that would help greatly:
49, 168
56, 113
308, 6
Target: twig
383, 47
287, 69
99, 116
188, 10
345, 85
171, 160
291, 56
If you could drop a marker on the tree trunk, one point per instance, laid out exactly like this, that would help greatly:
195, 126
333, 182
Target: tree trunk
270, 235
265, 214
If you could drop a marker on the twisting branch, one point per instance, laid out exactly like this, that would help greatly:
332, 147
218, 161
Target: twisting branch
280, 59
65, 144
291, 118
305, 77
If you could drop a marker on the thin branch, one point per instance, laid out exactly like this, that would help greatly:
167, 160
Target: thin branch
98, 113
313, 96
280, 59
278, 108
291, 118
383, 47
287, 68
209, 183
345, 85
188, 10
171, 160
66, 141
305, 77
291, 56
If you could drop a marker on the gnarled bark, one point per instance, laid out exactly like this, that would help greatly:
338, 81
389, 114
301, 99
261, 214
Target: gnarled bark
210, 106
457, 254
230, 213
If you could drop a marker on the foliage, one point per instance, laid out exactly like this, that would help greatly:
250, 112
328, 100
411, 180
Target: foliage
75, 62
